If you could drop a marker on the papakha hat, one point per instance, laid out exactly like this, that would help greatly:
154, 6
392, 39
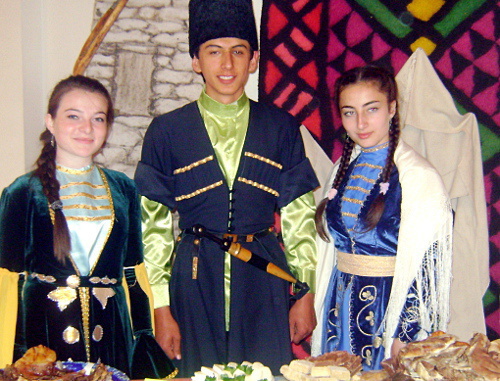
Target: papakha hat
210, 19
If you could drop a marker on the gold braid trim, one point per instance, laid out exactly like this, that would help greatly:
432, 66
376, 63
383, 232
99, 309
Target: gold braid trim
364, 178
258, 185
74, 171
74, 183
84, 194
85, 303
370, 166
264, 159
375, 149
99, 218
199, 191
353, 200
349, 214
193, 165
358, 189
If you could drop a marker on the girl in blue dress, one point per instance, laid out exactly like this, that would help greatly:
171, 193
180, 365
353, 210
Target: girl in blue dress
384, 274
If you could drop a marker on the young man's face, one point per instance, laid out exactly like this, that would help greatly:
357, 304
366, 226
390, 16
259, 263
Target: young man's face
225, 63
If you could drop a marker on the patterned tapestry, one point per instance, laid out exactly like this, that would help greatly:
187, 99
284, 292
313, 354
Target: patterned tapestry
305, 44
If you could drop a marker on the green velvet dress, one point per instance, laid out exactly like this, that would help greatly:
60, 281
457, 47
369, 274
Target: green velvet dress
80, 308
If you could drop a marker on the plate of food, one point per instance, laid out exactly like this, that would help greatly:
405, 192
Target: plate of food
40, 363
94, 371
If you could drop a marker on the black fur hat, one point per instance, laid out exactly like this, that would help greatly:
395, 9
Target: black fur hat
210, 19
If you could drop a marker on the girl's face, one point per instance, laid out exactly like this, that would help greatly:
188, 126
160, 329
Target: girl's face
366, 113
80, 127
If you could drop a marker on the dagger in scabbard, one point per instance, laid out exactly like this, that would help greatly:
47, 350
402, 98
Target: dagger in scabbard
238, 251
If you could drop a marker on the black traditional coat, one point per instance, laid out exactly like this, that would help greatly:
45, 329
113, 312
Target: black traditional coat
179, 169
53, 314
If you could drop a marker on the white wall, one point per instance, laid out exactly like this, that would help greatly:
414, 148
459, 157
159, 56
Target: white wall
41, 40
11, 84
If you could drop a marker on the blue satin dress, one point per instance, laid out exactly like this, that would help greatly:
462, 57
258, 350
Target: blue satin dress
356, 304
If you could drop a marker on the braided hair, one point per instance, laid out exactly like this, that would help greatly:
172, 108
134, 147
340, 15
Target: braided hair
45, 166
386, 84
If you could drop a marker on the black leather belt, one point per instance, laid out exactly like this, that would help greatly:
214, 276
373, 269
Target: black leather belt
238, 237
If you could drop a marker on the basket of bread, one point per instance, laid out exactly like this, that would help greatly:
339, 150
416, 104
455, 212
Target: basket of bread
439, 357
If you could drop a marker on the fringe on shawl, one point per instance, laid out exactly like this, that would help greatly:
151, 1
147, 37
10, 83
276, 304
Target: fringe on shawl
433, 282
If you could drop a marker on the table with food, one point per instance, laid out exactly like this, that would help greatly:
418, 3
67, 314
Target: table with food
439, 357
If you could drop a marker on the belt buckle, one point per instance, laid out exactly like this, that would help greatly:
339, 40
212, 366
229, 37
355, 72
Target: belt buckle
234, 237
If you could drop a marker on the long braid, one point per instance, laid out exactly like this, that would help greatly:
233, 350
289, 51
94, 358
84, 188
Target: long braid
376, 210
339, 176
46, 172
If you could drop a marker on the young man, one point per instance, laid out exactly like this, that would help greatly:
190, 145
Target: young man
227, 163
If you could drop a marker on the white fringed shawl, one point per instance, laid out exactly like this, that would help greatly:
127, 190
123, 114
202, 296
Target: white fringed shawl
424, 247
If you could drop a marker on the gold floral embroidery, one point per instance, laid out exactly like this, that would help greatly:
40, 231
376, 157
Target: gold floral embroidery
370, 318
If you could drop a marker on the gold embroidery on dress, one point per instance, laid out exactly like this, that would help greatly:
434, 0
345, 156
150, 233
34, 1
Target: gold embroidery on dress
88, 207
44, 278
103, 294
346, 214
84, 194
377, 342
367, 295
97, 218
73, 281
367, 354
353, 200
260, 186
375, 149
71, 335
74, 171
369, 166
112, 217
85, 304
199, 191
103, 280
264, 159
193, 165
364, 178
365, 191
74, 183
63, 296
98, 333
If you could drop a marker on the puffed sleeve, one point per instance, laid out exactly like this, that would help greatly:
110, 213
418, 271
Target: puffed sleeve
13, 228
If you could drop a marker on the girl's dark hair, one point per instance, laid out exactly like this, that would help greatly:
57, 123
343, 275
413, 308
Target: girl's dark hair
46, 163
386, 84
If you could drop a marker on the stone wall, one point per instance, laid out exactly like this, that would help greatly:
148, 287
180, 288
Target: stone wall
144, 62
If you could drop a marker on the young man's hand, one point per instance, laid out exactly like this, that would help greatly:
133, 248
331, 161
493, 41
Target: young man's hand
302, 318
167, 333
